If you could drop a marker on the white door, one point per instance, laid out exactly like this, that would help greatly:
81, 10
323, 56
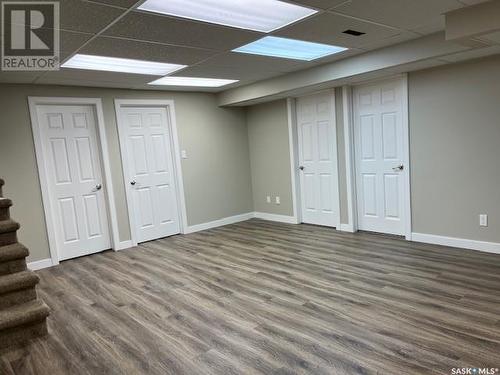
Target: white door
73, 164
146, 141
380, 149
317, 141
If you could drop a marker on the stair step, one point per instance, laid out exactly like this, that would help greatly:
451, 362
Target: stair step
17, 297
8, 229
12, 266
9, 225
18, 281
13, 252
5, 205
25, 314
18, 336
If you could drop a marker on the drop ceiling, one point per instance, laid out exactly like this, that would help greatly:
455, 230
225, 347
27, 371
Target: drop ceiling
116, 28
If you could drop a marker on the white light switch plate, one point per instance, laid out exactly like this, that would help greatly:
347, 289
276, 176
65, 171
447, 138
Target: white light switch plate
278, 200
268, 199
184, 154
483, 220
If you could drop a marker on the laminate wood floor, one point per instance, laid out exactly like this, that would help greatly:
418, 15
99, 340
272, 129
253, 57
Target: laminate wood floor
267, 298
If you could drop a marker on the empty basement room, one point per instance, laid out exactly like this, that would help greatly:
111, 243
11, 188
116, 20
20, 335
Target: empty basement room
250, 187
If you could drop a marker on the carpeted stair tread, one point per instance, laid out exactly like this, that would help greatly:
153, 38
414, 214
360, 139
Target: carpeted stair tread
17, 281
13, 252
25, 314
22, 315
7, 226
4, 202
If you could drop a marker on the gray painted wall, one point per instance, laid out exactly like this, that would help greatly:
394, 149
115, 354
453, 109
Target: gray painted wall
270, 157
217, 178
455, 149
454, 145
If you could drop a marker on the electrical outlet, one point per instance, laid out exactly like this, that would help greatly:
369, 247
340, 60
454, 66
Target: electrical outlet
483, 220
278, 200
268, 199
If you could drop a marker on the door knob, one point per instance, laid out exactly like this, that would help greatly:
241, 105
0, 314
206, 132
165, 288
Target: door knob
302, 167
398, 168
133, 183
98, 187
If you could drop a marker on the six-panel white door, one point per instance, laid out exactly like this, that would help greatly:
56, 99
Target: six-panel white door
317, 143
72, 161
379, 150
150, 169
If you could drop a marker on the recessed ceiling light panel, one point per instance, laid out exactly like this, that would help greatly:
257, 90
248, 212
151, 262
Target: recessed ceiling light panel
257, 15
115, 64
192, 81
289, 48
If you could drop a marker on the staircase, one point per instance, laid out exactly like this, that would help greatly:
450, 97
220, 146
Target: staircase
22, 315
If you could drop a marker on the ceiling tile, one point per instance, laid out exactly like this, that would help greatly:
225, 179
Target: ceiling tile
143, 26
117, 3
336, 57
252, 62
78, 15
132, 49
239, 73
320, 4
85, 83
93, 75
71, 41
327, 28
396, 39
404, 14
473, 2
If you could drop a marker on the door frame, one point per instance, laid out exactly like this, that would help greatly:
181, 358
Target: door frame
293, 138
348, 102
169, 105
102, 145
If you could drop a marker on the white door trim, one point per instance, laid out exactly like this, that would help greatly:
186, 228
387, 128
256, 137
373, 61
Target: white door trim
33, 102
293, 148
348, 100
347, 111
181, 200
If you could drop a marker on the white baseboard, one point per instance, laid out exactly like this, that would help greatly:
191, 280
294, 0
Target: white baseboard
219, 222
489, 247
124, 245
346, 228
274, 217
40, 264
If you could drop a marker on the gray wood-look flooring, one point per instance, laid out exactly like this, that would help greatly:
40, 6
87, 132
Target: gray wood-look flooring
267, 298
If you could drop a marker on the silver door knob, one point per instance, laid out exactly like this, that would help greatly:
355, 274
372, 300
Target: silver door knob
302, 167
398, 168
98, 187
133, 183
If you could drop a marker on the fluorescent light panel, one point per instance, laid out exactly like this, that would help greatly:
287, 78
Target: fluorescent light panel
114, 64
258, 15
192, 81
289, 48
